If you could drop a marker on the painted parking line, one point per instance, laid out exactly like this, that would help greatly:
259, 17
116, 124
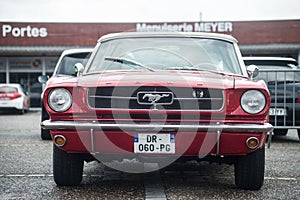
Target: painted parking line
153, 187
146, 177
281, 178
26, 175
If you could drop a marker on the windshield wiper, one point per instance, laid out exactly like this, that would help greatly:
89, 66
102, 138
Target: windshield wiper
128, 62
184, 68
195, 69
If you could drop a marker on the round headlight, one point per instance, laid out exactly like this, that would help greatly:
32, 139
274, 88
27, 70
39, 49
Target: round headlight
253, 101
60, 100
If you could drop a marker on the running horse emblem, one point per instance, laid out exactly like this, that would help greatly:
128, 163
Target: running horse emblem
154, 98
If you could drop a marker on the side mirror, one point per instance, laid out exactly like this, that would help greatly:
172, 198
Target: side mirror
78, 69
43, 78
253, 71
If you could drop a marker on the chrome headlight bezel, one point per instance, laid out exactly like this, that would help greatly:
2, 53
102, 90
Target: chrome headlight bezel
60, 99
253, 101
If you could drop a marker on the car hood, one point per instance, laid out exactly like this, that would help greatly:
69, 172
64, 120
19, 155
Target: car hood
157, 78
54, 80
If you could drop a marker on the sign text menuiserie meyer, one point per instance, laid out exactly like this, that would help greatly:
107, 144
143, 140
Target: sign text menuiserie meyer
186, 27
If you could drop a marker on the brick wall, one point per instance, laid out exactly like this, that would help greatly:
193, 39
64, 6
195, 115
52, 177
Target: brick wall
86, 34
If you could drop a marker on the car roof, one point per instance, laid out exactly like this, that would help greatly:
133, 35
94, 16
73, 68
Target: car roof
271, 61
261, 58
15, 85
79, 50
10, 84
167, 34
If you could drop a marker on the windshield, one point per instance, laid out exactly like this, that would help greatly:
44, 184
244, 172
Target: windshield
8, 89
166, 54
67, 63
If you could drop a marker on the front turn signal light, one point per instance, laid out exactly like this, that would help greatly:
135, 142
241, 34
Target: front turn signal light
59, 140
252, 142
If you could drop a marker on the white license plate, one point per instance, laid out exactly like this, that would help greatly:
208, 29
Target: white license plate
154, 143
277, 111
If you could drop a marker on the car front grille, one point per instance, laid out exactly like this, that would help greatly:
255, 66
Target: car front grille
170, 98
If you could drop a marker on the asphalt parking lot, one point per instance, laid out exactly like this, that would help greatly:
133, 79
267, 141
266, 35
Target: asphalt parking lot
26, 172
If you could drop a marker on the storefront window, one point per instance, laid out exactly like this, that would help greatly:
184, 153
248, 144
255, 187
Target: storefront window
25, 71
2, 71
25, 64
50, 64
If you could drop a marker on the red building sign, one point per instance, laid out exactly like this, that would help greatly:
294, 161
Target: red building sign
86, 34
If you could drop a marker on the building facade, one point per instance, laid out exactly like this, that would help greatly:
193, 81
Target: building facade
28, 50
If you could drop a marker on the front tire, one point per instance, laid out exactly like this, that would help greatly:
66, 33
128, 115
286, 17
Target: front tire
249, 170
281, 132
45, 134
67, 168
21, 111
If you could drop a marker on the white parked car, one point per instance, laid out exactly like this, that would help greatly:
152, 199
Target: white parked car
13, 97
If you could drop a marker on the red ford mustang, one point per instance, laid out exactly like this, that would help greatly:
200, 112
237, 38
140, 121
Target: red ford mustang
160, 98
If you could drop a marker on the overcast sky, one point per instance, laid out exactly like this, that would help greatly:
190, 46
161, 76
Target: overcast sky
146, 10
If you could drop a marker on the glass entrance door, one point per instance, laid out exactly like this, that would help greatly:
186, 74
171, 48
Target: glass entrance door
26, 70
29, 82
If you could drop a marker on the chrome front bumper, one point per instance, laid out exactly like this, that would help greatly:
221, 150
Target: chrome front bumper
153, 127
